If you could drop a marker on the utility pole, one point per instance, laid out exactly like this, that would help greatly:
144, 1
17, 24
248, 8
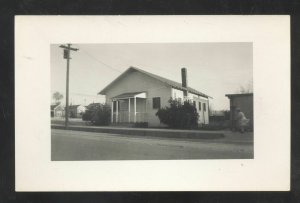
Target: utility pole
67, 50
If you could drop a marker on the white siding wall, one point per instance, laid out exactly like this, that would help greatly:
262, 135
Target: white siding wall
165, 94
176, 94
203, 115
138, 82
81, 109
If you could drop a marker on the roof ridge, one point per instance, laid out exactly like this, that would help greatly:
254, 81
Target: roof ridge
172, 83
141, 70
178, 84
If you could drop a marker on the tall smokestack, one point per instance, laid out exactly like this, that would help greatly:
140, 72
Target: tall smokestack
184, 81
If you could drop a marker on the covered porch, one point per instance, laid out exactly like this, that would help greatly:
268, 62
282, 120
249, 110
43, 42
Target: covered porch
129, 108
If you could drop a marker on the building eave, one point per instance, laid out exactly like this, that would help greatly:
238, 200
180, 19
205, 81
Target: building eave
166, 81
238, 95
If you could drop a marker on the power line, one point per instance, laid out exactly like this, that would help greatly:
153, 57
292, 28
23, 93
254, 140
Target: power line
83, 94
89, 95
101, 62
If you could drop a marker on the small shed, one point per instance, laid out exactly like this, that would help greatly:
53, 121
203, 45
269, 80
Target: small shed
76, 111
56, 110
244, 102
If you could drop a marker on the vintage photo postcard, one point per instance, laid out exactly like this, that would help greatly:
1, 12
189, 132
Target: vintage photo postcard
152, 103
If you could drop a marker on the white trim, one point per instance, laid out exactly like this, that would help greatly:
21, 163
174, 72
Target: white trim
135, 109
117, 111
129, 110
116, 99
141, 95
112, 112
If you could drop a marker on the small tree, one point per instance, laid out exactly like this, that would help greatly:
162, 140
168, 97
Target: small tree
179, 115
248, 88
57, 97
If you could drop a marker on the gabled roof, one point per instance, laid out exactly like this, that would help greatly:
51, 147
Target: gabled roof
54, 106
171, 83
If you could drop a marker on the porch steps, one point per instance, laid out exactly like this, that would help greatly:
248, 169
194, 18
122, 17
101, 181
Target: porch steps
144, 132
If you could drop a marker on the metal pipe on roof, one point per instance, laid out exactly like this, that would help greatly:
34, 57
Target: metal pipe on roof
184, 81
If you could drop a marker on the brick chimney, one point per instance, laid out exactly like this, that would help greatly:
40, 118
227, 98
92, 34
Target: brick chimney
184, 81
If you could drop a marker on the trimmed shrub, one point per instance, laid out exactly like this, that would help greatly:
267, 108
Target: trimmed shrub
91, 110
98, 115
141, 125
179, 115
87, 115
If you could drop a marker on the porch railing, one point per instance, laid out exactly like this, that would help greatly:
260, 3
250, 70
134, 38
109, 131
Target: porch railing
123, 117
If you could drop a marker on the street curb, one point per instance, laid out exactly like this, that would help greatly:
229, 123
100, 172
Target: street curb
146, 132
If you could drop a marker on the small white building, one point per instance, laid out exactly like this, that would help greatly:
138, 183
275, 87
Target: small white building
136, 96
76, 111
57, 110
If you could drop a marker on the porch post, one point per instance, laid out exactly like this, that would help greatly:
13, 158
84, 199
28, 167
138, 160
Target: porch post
117, 111
135, 109
112, 111
129, 110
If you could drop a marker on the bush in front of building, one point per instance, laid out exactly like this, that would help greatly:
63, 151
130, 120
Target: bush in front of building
87, 115
179, 115
90, 111
141, 125
98, 115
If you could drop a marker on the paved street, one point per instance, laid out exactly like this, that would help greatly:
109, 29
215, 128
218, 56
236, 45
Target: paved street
67, 145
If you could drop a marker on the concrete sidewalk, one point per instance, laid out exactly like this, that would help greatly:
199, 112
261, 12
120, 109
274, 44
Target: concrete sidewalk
151, 132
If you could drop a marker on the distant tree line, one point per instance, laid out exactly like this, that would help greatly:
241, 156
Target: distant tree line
57, 96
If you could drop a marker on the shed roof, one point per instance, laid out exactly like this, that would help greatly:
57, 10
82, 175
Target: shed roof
171, 83
238, 95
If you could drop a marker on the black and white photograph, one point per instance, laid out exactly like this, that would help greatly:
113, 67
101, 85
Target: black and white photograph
152, 101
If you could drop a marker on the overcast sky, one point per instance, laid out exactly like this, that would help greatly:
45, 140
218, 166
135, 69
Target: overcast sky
215, 69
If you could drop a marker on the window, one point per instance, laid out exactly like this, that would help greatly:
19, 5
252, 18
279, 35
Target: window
156, 102
199, 106
194, 103
204, 107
